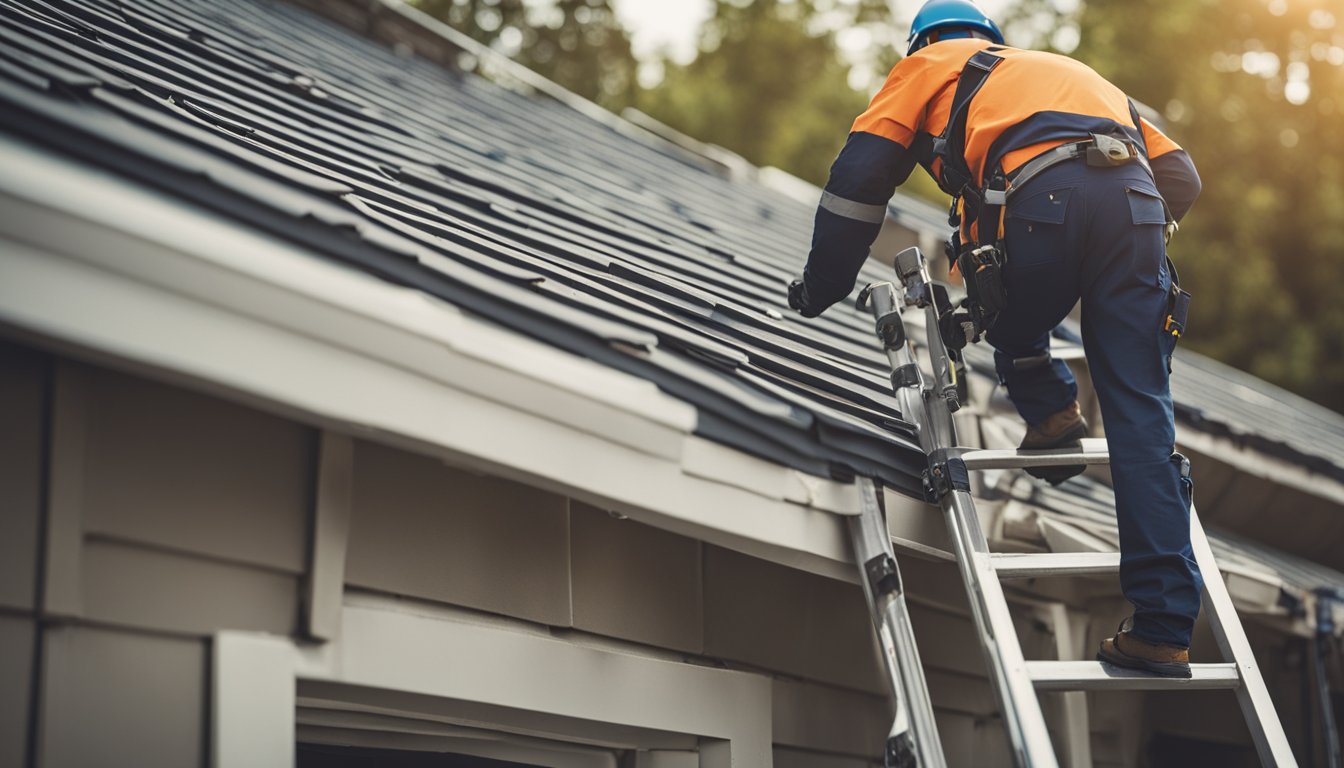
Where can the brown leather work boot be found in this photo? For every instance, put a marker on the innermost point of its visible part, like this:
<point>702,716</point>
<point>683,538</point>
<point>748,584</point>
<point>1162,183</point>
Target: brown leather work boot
<point>1125,650</point>
<point>1064,429</point>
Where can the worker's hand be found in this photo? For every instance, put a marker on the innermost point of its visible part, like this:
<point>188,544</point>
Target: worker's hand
<point>1170,231</point>
<point>798,299</point>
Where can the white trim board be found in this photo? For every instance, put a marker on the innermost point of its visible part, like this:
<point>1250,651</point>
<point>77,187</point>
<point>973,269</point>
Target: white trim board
<point>394,652</point>
<point>100,264</point>
<point>424,649</point>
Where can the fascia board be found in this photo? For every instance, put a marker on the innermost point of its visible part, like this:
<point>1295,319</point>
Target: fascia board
<point>719,463</point>
<point>188,295</point>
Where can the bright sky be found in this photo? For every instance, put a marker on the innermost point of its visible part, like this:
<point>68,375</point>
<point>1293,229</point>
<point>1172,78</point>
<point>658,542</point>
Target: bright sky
<point>658,24</point>
<point>672,24</point>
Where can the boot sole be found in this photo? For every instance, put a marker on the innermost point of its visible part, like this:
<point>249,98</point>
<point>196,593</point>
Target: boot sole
<point>1162,668</point>
<point>1056,475</point>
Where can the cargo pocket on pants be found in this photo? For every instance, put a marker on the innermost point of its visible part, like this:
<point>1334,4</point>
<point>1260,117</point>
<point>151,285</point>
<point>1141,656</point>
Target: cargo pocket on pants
<point>1034,229</point>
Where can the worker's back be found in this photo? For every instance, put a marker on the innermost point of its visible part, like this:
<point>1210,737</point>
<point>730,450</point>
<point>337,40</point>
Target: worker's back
<point>1033,101</point>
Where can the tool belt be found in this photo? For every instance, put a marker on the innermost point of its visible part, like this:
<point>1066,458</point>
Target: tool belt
<point>983,261</point>
<point>1100,151</point>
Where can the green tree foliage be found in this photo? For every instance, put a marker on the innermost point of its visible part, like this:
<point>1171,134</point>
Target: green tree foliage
<point>579,44</point>
<point>767,84</point>
<point>1254,90</point>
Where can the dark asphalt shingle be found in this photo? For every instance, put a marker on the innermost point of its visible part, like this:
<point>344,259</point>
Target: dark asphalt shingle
<point>513,207</point>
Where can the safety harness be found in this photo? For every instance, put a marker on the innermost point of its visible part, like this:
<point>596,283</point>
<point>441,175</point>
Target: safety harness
<point>982,261</point>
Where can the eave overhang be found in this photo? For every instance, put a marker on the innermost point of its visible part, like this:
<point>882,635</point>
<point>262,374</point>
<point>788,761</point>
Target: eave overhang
<point>98,267</point>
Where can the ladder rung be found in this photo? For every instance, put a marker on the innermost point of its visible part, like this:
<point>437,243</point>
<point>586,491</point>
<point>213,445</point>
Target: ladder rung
<point>1093,451</point>
<point>1096,676</point>
<point>1030,566</point>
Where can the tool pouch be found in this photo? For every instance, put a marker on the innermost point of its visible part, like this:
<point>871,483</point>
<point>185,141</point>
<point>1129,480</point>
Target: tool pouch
<point>1178,314</point>
<point>986,296</point>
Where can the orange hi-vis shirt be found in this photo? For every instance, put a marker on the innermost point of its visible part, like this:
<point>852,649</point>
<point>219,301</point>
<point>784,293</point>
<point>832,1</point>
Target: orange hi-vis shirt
<point>1068,100</point>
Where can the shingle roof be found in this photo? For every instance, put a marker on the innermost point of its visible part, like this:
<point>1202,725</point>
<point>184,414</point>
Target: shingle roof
<point>517,208</point>
<point>513,207</point>
<point>1220,400</point>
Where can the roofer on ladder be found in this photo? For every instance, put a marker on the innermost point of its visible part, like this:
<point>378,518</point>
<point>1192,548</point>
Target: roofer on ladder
<point>1061,191</point>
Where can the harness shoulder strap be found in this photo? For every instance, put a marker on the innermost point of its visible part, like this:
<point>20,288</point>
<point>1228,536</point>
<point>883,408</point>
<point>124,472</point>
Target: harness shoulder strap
<point>950,147</point>
<point>1138,125</point>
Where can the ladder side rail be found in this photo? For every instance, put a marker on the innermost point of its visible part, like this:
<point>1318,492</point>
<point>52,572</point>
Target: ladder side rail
<point>1009,674</point>
<point>937,413</point>
<point>1009,677</point>
<point>914,732</point>
<point>1256,705</point>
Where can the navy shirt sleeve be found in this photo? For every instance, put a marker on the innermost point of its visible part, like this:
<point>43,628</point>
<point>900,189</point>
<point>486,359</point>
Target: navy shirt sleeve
<point>1177,181</point>
<point>853,206</point>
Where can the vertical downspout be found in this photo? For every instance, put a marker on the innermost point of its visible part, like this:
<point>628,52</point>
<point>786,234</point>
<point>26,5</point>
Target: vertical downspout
<point>1323,644</point>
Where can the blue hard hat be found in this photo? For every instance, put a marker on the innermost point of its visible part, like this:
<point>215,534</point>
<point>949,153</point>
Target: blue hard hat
<point>950,14</point>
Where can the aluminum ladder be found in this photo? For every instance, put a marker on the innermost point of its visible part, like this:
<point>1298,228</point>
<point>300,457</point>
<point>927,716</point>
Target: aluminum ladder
<point>1016,680</point>
<point>913,741</point>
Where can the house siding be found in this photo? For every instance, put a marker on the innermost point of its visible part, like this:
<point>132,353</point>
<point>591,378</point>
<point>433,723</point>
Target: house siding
<point>166,591</point>
<point>635,582</point>
<point>767,615</point>
<point>171,468</point>
<point>16,681</point>
<point>22,397</point>
<point>117,698</point>
<point>424,529</point>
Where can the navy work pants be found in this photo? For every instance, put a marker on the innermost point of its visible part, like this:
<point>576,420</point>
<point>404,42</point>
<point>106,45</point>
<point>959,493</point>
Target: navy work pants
<point>1096,234</point>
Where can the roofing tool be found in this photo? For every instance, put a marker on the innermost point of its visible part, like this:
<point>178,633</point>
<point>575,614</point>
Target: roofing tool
<point>947,482</point>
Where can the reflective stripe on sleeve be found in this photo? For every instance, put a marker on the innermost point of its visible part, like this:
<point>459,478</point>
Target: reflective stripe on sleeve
<point>873,214</point>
